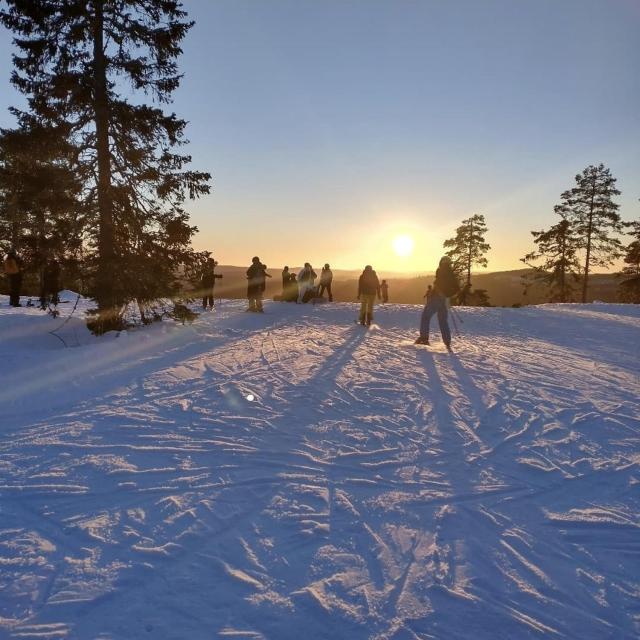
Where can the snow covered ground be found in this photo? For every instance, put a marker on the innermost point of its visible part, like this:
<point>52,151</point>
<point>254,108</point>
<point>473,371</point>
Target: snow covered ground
<point>292,475</point>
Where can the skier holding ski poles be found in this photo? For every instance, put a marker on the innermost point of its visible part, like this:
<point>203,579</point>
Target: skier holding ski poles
<point>445,286</point>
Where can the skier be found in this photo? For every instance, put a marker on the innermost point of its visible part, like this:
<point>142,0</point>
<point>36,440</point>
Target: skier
<point>384,287</point>
<point>445,286</point>
<point>50,284</point>
<point>306,278</point>
<point>326,278</point>
<point>368,287</point>
<point>13,270</point>
<point>256,276</point>
<point>208,281</point>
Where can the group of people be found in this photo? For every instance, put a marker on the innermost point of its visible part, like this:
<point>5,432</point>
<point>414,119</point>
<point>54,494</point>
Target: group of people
<point>299,288</point>
<point>13,266</point>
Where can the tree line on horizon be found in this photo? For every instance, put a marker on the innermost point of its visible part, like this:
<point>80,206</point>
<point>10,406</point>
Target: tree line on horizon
<point>96,179</point>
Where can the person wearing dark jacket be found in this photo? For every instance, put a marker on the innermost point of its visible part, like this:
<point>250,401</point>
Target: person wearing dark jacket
<point>286,276</point>
<point>368,288</point>
<point>256,277</point>
<point>209,277</point>
<point>445,286</point>
<point>13,270</point>
<point>291,292</point>
<point>326,278</point>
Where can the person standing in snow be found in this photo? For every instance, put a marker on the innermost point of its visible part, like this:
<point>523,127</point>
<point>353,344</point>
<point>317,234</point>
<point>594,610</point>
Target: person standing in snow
<point>208,281</point>
<point>306,279</point>
<point>445,286</point>
<point>291,292</point>
<point>256,276</point>
<point>368,288</point>
<point>326,278</point>
<point>384,288</point>
<point>286,276</point>
<point>13,270</point>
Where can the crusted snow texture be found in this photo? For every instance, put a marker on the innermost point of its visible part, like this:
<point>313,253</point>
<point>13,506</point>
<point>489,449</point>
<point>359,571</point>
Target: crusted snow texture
<point>292,475</point>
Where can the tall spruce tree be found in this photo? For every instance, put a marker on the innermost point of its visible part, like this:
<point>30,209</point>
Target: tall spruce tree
<point>74,60</point>
<point>40,209</point>
<point>630,286</point>
<point>559,270</point>
<point>467,249</point>
<point>593,215</point>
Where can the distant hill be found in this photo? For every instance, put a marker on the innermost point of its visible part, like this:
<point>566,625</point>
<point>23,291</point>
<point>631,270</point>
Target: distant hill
<point>505,288</point>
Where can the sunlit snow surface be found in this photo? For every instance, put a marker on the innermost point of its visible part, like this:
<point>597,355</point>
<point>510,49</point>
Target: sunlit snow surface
<point>293,475</point>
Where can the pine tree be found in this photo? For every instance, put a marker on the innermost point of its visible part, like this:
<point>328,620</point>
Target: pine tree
<point>630,287</point>
<point>560,269</point>
<point>467,249</point>
<point>74,61</point>
<point>590,209</point>
<point>40,211</point>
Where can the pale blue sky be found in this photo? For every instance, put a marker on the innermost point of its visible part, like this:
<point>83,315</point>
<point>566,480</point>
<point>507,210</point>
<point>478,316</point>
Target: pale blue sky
<point>331,126</point>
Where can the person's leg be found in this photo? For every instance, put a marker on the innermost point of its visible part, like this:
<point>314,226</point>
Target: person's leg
<point>321,291</point>
<point>302,289</point>
<point>330,292</point>
<point>363,309</point>
<point>259,304</point>
<point>370,302</point>
<point>443,321</point>
<point>425,320</point>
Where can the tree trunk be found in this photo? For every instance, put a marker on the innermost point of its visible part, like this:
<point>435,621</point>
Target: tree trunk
<point>106,237</point>
<point>470,252</point>
<point>563,294</point>
<point>585,282</point>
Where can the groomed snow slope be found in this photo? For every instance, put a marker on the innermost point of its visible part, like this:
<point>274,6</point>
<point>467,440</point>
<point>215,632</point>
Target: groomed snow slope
<point>371,489</point>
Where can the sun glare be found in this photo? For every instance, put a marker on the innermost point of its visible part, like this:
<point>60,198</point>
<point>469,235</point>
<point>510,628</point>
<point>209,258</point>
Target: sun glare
<point>403,246</point>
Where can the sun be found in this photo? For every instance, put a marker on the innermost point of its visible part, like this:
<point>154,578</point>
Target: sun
<point>403,246</point>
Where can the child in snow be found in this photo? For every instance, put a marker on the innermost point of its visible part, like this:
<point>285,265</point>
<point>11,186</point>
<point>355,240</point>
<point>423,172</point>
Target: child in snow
<point>256,276</point>
<point>368,288</point>
<point>445,286</point>
<point>384,288</point>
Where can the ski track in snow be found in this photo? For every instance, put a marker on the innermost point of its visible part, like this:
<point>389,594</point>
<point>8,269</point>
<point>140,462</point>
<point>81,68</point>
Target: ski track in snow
<point>371,489</point>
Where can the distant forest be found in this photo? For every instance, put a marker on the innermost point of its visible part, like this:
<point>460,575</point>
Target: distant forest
<point>504,288</point>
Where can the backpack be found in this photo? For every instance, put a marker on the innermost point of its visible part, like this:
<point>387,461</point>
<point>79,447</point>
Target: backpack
<point>448,283</point>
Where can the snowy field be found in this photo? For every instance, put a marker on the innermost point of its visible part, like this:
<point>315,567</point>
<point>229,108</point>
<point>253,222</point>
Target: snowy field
<point>292,475</point>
